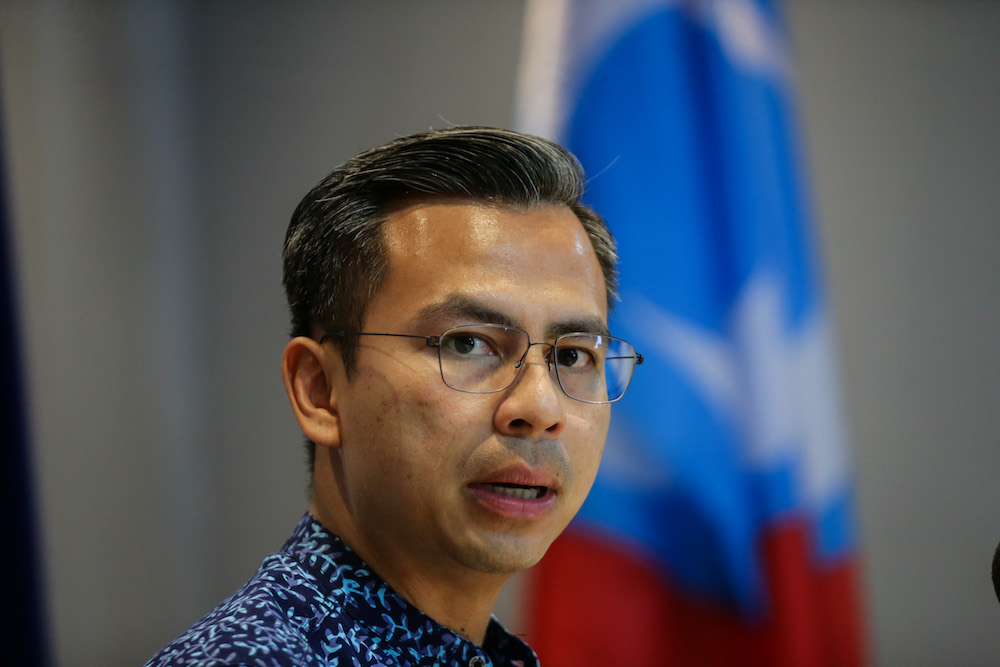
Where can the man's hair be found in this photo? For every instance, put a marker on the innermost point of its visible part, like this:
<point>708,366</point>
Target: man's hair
<point>334,257</point>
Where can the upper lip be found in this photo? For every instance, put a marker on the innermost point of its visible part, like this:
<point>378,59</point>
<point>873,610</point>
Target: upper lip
<point>520,475</point>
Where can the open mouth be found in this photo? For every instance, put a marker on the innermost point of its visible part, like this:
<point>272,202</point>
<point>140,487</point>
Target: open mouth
<point>518,491</point>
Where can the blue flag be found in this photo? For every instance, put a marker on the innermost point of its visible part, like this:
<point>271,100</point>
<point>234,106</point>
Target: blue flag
<point>682,115</point>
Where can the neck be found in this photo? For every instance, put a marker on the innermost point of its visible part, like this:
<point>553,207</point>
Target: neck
<point>461,600</point>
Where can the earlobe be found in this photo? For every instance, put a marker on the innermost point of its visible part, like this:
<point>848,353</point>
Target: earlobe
<point>306,367</point>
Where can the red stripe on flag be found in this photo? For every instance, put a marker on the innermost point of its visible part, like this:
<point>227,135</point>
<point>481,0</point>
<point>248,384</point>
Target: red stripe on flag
<point>593,603</point>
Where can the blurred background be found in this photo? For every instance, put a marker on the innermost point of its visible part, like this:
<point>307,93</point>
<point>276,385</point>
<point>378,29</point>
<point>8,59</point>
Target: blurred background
<point>155,151</point>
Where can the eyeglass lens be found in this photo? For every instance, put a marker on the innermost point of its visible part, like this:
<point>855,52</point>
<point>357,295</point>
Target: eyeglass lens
<point>484,358</point>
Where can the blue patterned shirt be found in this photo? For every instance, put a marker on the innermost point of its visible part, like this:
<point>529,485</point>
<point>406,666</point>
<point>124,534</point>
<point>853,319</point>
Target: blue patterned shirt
<point>317,604</point>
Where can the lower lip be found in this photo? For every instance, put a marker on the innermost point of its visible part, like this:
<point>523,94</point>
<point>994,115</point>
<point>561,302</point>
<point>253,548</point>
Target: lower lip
<point>513,508</point>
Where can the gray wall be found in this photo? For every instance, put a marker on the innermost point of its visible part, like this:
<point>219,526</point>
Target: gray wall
<point>902,104</point>
<point>158,148</point>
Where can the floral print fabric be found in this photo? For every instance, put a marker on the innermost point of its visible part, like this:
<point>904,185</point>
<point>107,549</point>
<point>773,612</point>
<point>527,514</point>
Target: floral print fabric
<point>317,604</point>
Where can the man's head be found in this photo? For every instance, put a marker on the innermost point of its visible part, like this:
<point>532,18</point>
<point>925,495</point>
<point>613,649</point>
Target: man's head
<point>438,455</point>
<point>334,257</point>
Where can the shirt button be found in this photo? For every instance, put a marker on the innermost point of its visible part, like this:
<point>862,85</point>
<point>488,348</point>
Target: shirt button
<point>477,662</point>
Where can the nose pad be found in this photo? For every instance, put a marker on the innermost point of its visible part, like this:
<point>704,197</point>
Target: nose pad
<point>547,356</point>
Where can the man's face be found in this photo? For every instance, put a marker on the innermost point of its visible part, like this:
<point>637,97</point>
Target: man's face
<point>428,470</point>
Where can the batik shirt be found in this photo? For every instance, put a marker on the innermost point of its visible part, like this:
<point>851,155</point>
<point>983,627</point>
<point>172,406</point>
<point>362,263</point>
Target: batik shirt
<point>317,604</point>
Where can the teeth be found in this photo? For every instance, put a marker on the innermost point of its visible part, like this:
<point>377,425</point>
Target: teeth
<point>520,492</point>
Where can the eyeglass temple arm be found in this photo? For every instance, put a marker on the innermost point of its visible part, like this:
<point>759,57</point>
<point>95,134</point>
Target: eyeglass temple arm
<point>432,341</point>
<point>638,358</point>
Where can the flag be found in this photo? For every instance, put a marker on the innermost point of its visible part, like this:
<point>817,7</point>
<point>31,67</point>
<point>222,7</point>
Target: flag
<point>719,530</point>
<point>23,628</point>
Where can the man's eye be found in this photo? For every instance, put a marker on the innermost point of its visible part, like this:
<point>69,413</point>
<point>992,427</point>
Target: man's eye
<point>574,358</point>
<point>467,345</point>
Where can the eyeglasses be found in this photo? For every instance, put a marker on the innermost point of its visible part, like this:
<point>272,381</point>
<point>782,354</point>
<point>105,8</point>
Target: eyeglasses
<point>486,358</point>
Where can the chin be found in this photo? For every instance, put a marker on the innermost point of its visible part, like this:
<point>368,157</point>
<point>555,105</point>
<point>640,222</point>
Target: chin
<point>507,554</point>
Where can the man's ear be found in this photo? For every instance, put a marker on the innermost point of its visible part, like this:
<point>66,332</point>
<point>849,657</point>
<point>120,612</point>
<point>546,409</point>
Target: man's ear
<point>306,368</point>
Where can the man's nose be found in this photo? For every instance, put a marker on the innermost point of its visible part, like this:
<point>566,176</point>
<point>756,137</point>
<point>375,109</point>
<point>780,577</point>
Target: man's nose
<point>534,404</point>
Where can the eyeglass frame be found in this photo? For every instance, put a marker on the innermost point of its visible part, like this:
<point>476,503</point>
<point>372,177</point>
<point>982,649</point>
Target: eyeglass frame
<point>435,341</point>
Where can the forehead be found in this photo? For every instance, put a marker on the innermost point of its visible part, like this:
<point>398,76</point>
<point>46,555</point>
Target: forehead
<point>514,259</point>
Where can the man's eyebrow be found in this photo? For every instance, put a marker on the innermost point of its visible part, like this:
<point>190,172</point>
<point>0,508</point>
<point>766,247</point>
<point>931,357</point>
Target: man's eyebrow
<point>461,307</point>
<point>591,325</point>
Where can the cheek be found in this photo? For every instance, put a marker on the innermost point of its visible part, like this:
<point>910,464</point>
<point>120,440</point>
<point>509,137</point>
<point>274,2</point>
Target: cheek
<point>591,431</point>
<point>438,411</point>
<point>429,416</point>
<point>437,431</point>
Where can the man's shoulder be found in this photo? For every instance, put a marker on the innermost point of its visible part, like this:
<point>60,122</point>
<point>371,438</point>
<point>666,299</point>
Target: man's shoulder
<point>257,625</point>
<point>317,604</point>
<point>280,617</point>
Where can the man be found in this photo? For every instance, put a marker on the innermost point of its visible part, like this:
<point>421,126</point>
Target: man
<point>452,370</point>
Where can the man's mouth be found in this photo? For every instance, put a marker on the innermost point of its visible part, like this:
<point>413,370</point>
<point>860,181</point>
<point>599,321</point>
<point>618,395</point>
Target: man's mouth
<point>518,491</point>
